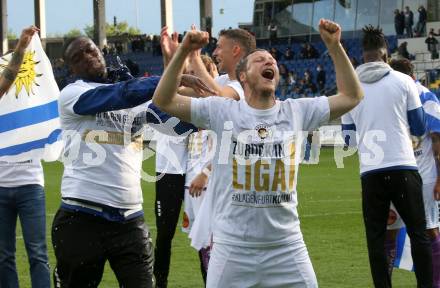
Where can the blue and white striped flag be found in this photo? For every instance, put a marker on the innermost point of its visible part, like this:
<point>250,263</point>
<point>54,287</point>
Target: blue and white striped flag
<point>403,254</point>
<point>29,120</point>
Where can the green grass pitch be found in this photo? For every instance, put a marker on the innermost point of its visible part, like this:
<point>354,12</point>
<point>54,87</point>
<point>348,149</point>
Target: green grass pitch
<point>331,221</point>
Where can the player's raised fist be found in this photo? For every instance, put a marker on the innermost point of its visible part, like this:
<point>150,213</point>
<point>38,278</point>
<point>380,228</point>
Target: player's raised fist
<point>330,32</point>
<point>194,40</point>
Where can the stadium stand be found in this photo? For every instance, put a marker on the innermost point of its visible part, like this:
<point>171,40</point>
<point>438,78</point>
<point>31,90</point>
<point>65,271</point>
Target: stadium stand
<point>151,64</point>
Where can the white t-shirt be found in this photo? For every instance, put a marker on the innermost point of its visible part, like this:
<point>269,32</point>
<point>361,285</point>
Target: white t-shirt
<point>381,121</point>
<point>254,175</point>
<point>171,154</point>
<point>224,80</point>
<point>423,145</point>
<point>101,168</point>
<point>201,230</point>
<point>15,174</point>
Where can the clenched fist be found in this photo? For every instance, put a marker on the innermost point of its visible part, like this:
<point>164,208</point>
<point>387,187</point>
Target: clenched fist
<point>195,40</point>
<point>330,33</point>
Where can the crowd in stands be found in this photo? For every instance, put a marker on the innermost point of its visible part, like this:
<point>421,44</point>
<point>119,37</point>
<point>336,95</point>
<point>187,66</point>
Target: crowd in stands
<point>404,22</point>
<point>293,85</point>
<point>305,68</point>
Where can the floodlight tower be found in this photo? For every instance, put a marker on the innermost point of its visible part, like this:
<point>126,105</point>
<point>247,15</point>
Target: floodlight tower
<point>40,17</point>
<point>166,14</point>
<point>99,34</point>
<point>206,15</point>
<point>4,26</point>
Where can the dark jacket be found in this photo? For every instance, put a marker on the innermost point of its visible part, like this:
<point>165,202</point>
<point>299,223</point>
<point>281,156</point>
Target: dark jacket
<point>422,15</point>
<point>409,18</point>
<point>432,43</point>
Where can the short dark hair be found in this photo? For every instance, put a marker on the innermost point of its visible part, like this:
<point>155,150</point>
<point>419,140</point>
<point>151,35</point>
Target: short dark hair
<point>403,65</point>
<point>242,64</point>
<point>245,39</point>
<point>67,47</point>
<point>373,38</point>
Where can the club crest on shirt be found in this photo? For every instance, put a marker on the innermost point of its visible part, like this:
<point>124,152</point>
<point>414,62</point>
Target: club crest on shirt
<point>263,131</point>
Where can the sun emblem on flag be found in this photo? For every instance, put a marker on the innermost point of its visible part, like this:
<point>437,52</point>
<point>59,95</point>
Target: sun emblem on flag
<point>26,74</point>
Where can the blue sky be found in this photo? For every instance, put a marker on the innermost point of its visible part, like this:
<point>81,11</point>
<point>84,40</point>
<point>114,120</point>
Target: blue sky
<point>64,15</point>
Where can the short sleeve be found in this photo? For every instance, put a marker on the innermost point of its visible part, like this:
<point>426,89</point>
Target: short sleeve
<point>200,112</point>
<point>314,112</point>
<point>237,87</point>
<point>413,96</point>
<point>68,98</point>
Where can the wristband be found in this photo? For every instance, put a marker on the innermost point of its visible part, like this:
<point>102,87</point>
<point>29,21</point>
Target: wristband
<point>206,172</point>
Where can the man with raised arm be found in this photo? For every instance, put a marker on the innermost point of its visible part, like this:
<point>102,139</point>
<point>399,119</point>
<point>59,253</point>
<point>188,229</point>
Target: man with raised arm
<point>101,217</point>
<point>232,46</point>
<point>256,234</point>
<point>10,72</point>
<point>22,196</point>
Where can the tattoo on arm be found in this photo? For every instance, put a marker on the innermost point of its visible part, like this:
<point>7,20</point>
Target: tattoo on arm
<point>17,58</point>
<point>9,75</point>
<point>10,72</point>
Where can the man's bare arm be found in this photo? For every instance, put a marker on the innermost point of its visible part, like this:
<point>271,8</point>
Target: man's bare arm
<point>166,97</point>
<point>9,74</point>
<point>169,44</point>
<point>349,88</point>
<point>186,91</point>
